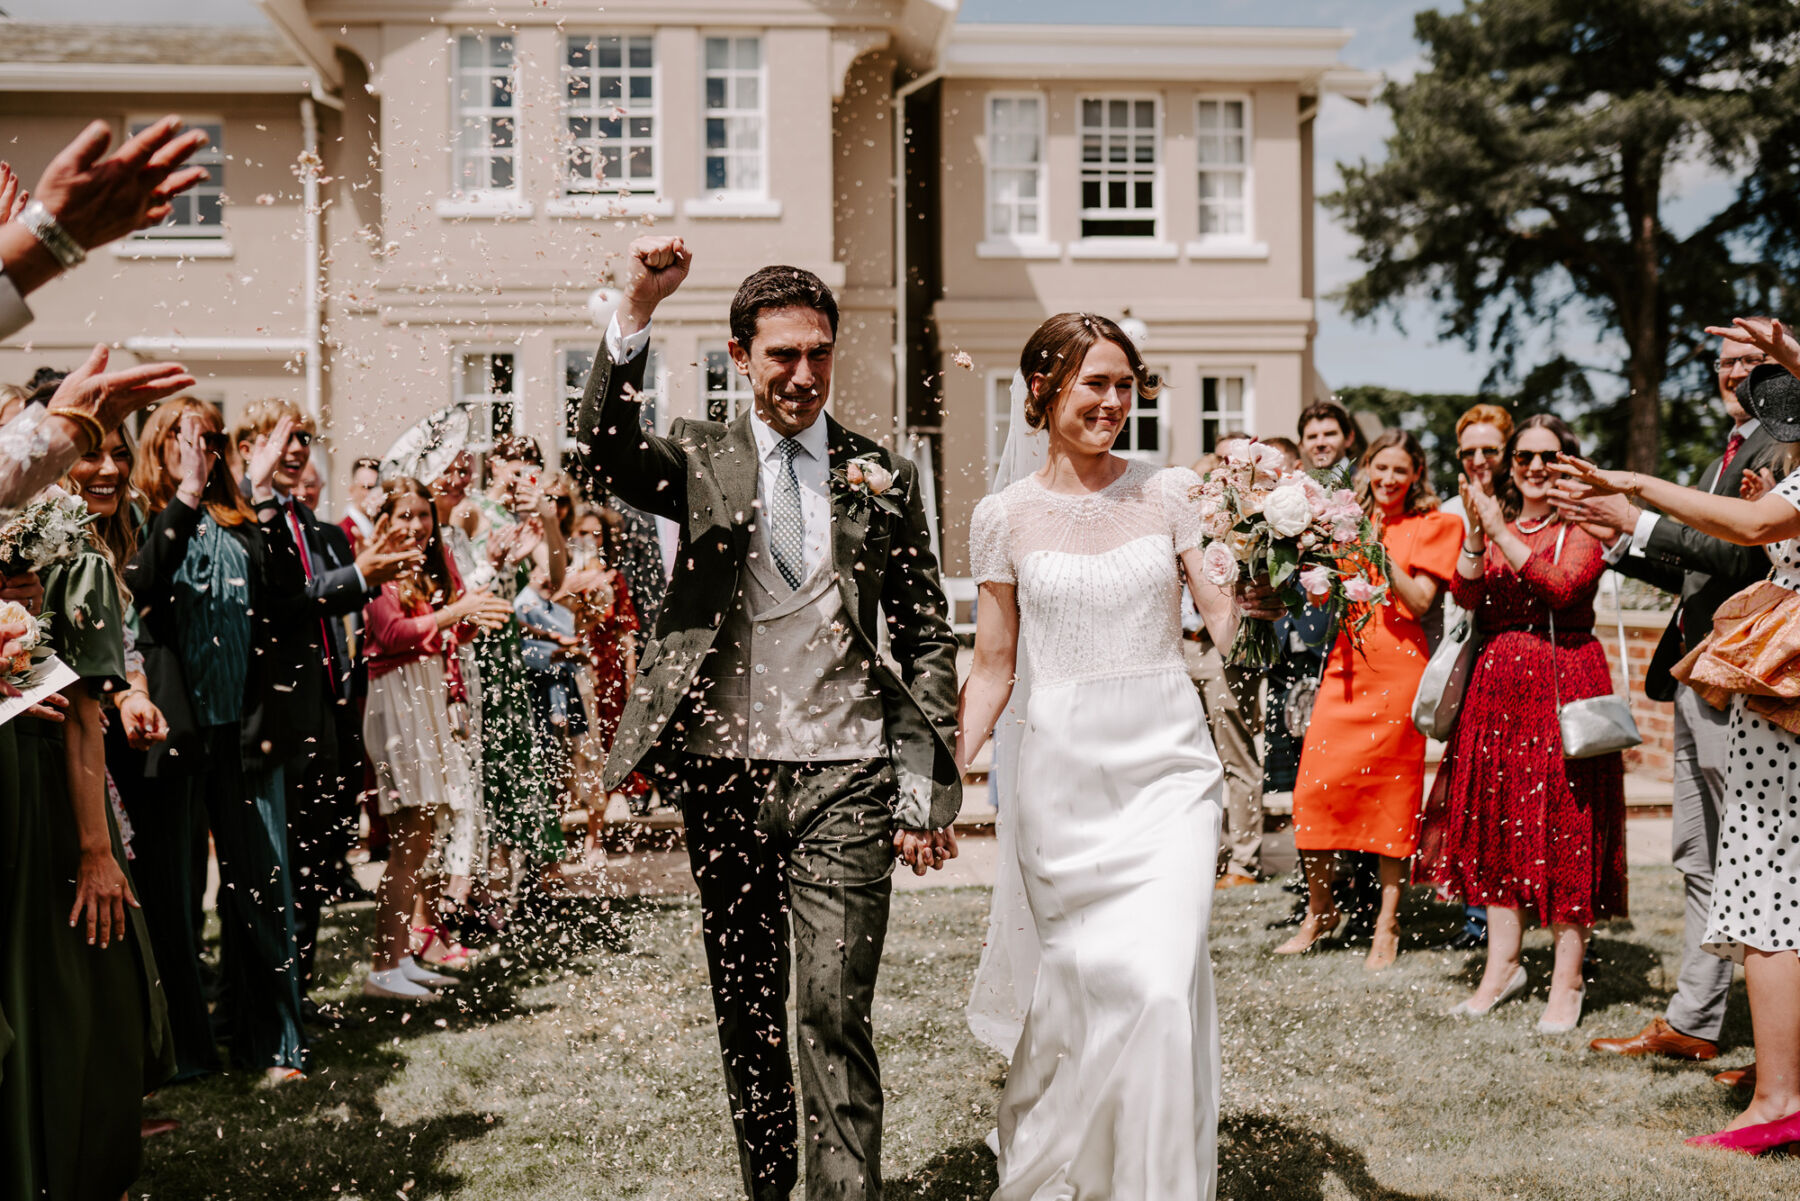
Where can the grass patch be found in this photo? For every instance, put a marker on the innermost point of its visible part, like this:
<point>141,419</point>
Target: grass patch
<point>585,1066</point>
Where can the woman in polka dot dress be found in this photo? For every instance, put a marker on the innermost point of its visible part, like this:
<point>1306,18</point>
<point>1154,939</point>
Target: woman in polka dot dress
<point>1751,663</point>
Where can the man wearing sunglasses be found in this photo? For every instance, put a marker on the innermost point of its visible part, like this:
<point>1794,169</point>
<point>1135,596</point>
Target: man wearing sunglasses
<point>1705,571</point>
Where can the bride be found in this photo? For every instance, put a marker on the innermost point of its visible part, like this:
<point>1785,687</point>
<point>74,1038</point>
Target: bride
<point>1114,834</point>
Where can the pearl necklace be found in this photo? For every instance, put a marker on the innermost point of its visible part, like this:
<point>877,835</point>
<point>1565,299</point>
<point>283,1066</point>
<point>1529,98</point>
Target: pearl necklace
<point>1543,523</point>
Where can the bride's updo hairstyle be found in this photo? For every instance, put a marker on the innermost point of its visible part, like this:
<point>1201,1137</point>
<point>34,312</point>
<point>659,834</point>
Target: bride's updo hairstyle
<point>1058,348</point>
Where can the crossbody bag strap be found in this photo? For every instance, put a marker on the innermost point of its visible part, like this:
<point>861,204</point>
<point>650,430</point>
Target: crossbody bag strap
<point>1555,674</point>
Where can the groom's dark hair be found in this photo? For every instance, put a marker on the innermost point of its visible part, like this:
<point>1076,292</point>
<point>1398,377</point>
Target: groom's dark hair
<point>779,288</point>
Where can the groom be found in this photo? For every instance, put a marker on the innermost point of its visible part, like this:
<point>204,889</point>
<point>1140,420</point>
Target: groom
<point>806,762</point>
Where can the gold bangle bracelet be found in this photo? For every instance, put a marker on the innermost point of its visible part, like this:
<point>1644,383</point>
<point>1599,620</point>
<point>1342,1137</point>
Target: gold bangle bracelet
<point>86,422</point>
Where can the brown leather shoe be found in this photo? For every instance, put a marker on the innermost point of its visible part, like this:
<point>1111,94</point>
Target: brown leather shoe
<point>1659,1038</point>
<point>1235,880</point>
<point>1738,1078</point>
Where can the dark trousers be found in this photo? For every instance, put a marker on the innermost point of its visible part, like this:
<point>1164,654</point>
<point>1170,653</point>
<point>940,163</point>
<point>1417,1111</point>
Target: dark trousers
<point>247,806</point>
<point>321,806</point>
<point>166,814</point>
<point>811,843</point>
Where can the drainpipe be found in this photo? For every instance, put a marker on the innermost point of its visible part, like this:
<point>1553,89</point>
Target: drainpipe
<point>313,287</point>
<point>901,355</point>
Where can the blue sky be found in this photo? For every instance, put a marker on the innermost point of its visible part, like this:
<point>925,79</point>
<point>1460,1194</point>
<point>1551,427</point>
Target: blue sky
<point>1377,353</point>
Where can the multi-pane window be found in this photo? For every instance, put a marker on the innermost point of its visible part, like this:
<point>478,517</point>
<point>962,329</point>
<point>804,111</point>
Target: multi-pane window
<point>485,381</point>
<point>727,389</point>
<point>1142,435</point>
<point>1118,167</point>
<point>1222,142</point>
<point>609,99</point>
<point>1015,139</point>
<point>574,364</point>
<point>484,98</point>
<point>999,417</point>
<point>1224,408</point>
<point>200,211</point>
<point>735,120</point>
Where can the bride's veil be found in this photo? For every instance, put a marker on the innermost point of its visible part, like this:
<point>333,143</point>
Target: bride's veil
<point>1009,960</point>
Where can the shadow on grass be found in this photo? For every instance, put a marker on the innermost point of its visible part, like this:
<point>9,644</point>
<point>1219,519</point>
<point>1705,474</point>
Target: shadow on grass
<point>330,1136</point>
<point>1263,1156</point>
<point>965,1173</point>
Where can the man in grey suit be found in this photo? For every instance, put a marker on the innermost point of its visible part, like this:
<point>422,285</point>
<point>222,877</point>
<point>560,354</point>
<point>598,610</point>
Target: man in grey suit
<point>1705,571</point>
<point>805,761</point>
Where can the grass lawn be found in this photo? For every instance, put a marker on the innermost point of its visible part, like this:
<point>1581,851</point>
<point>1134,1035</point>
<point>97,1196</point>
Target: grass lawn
<point>585,1067</point>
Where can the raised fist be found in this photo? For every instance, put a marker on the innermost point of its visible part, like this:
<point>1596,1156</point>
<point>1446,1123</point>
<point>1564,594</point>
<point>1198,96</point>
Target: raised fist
<point>657,266</point>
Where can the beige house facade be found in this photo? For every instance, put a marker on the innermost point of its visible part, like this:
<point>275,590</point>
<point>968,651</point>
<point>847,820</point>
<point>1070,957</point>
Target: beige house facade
<point>422,202</point>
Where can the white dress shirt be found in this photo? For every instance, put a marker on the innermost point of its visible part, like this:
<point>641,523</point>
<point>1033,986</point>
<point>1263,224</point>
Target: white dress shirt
<point>14,315</point>
<point>812,466</point>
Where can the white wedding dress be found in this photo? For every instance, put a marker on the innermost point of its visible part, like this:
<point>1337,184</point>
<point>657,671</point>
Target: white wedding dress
<point>1114,1086</point>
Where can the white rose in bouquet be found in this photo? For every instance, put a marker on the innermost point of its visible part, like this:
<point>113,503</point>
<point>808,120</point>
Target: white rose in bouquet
<point>1270,463</point>
<point>1218,566</point>
<point>1288,511</point>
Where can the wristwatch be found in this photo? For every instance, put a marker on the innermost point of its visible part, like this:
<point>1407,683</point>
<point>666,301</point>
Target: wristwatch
<point>57,240</point>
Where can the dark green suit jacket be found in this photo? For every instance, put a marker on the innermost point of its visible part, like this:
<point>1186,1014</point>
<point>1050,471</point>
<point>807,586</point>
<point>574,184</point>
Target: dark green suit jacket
<point>703,475</point>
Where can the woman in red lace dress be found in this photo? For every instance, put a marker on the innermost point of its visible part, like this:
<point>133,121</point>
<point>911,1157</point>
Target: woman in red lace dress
<point>1514,825</point>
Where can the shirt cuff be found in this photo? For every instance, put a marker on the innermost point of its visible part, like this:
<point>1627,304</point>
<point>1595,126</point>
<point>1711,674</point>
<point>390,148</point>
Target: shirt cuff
<point>1640,537</point>
<point>15,315</point>
<point>360,582</point>
<point>622,349</point>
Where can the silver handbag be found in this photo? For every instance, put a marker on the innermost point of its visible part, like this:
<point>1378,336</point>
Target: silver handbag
<point>1446,679</point>
<point>1598,725</point>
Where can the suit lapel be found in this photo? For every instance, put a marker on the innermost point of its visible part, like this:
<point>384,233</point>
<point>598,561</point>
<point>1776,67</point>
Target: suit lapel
<point>735,469</point>
<point>849,521</point>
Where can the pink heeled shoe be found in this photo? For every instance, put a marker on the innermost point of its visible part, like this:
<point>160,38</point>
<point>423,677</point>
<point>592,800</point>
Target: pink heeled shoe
<point>1753,1140</point>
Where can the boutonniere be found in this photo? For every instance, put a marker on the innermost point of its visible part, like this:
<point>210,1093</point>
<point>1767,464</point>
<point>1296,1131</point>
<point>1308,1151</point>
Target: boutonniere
<point>865,479</point>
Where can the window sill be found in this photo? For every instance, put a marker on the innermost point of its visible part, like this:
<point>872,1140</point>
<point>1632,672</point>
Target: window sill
<point>1205,249</point>
<point>1007,248</point>
<point>1123,248</point>
<point>731,206</point>
<point>484,207</point>
<point>599,207</point>
<point>173,248</point>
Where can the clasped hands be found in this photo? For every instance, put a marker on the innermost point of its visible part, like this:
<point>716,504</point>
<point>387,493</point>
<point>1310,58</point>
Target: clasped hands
<point>925,850</point>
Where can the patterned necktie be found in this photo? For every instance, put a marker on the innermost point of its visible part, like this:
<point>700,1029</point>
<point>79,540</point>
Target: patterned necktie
<point>787,528</point>
<point>1731,448</point>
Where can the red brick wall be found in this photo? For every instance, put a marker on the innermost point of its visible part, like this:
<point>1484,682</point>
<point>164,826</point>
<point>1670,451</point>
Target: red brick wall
<point>1655,721</point>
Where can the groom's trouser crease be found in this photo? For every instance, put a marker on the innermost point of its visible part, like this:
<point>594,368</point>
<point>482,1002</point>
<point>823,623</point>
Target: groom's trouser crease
<point>812,842</point>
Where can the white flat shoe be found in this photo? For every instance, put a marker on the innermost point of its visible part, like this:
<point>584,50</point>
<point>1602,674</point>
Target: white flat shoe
<point>1513,988</point>
<point>393,983</point>
<point>411,968</point>
<point>1545,1027</point>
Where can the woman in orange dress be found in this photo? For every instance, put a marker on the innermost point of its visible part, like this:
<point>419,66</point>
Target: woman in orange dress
<point>1362,769</point>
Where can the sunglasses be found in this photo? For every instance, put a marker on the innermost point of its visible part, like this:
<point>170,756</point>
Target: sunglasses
<point>302,437</point>
<point>1526,458</point>
<point>1490,453</point>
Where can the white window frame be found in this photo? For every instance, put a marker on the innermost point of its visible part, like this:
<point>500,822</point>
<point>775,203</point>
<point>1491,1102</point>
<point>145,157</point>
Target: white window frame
<point>1246,420</point>
<point>487,201</point>
<point>651,395</point>
<point>1227,245</point>
<point>597,110</point>
<point>515,398</point>
<point>996,417</point>
<point>727,197</point>
<point>738,393</point>
<point>193,240</point>
<point>1159,184</point>
<point>1159,408</point>
<point>1009,243</point>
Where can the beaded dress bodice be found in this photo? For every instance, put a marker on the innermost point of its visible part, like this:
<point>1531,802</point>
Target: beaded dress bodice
<point>1097,578</point>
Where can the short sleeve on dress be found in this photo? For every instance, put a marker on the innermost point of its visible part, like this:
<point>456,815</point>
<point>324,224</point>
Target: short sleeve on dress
<point>1439,542</point>
<point>990,543</point>
<point>1178,486</point>
<point>1789,488</point>
<point>87,619</point>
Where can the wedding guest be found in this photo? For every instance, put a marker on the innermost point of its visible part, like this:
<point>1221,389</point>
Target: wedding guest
<point>1328,439</point>
<point>1481,434</point>
<point>363,496</point>
<point>310,487</point>
<point>78,982</point>
<point>1232,699</point>
<point>423,770</point>
<point>1290,450</point>
<point>1516,825</point>
<point>1748,665</point>
<point>610,626</point>
<point>1362,772</point>
<point>1704,571</point>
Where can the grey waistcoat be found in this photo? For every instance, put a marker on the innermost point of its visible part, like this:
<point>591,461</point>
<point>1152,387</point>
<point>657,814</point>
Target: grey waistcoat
<point>785,680</point>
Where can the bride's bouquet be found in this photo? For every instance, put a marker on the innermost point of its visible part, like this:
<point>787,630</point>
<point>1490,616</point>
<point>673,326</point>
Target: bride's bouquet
<point>53,527</point>
<point>1313,542</point>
